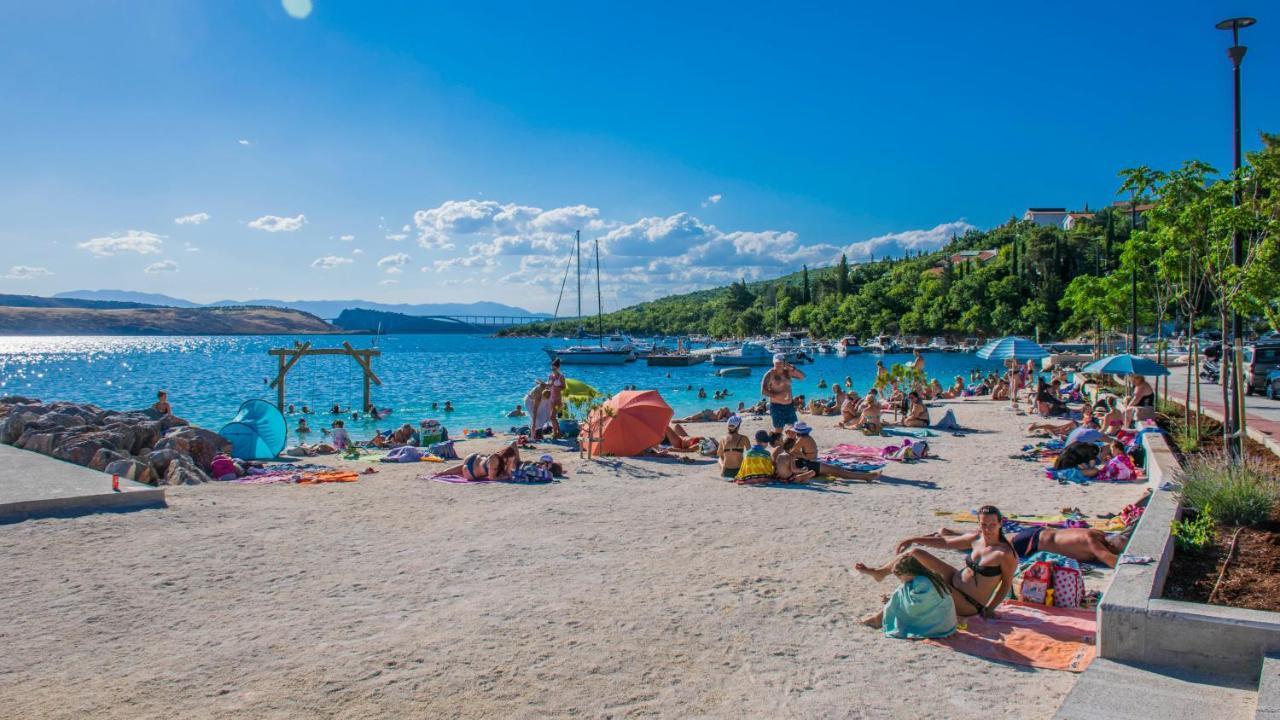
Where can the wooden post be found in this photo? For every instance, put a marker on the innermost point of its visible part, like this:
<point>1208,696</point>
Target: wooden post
<point>365,372</point>
<point>280,385</point>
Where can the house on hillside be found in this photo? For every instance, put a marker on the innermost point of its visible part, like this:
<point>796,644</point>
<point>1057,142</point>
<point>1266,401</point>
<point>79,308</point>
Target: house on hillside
<point>1046,216</point>
<point>982,257</point>
<point>1075,217</point>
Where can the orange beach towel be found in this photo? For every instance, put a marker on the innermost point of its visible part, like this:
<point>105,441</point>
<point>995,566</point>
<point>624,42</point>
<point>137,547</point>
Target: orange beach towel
<point>328,476</point>
<point>1030,634</point>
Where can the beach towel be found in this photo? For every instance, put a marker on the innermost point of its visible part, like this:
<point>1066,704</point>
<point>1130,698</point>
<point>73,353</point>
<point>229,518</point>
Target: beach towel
<point>852,452</point>
<point>328,476</point>
<point>916,610</point>
<point>1029,635</point>
<point>405,454</point>
<point>908,432</point>
<point>947,421</point>
<point>852,464</point>
<point>453,479</point>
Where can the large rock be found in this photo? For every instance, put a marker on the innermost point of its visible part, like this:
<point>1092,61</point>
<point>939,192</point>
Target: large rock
<point>80,449</point>
<point>160,459</point>
<point>105,457</point>
<point>182,471</point>
<point>15,424</point>
<point>202,445</point>
<point>133,470</point>
<point>41,442</point>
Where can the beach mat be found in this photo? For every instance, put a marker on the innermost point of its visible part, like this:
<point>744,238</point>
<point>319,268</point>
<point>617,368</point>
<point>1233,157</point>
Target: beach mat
<point>453,480</point>
<point>908,432</point>
<point>1029,635</point>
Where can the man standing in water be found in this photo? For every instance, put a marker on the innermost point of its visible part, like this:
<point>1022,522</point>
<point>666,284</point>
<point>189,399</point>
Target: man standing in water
<point>776,386</point>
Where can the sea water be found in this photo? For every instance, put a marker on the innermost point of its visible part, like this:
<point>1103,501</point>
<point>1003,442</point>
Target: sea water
<point>483,377</point>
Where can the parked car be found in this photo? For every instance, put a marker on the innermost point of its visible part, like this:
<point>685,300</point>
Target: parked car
<point>1260,361</point>
<point>1273,385</point>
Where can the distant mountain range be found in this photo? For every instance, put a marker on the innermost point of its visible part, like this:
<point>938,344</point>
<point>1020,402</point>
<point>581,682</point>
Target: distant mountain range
<point>328,309</point>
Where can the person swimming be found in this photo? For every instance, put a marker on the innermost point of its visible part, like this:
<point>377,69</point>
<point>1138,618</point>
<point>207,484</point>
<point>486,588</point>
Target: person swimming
<point>162,403</point>
<point>517,411</point>
<point>448,406</point>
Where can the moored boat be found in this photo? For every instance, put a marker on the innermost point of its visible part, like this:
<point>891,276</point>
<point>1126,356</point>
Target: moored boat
<point>751,354</point>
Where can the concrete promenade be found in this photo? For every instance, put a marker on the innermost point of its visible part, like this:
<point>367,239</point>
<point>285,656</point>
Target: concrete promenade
<point>34,485</point>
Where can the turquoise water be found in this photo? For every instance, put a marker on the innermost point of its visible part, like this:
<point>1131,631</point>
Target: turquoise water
<point>208,377</point>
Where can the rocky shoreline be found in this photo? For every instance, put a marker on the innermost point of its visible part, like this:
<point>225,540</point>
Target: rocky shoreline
<point>141,445</point>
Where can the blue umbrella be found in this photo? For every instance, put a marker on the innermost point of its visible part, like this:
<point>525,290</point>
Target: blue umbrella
<point>1017,348</point>
<point>1125,365</point>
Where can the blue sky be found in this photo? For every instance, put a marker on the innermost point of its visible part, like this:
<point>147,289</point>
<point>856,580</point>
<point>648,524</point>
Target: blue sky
<point>418,152</point>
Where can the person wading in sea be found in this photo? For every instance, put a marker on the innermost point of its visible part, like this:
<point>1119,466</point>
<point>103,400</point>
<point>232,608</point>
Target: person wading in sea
<point>776,386</point>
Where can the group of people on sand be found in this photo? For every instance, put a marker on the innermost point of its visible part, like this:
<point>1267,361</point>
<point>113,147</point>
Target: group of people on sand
<point>934,592</point>
<point>505,465</point>
<point>789,455</point>
<point>544,404</point>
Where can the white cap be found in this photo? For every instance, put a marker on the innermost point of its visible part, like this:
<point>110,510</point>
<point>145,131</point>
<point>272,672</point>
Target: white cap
<point>779,357</point>
<point>546,459</point>
<point>734,421</point>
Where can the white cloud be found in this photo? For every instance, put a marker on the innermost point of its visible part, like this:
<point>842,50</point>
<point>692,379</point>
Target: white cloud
<point>712,200</point>
<point>397,237</point>
<point>139,241</point>
<point>394,271</point>
<point>393,263</point>
<point>276,223</point>
<point>357,251</point>
<point>454,218</point>
<point>26,272</point>
<point>347,238</point>
<point>895,244</point>
<point>330,262</point>
<point>192,219</point>
<point>243,142</point>
<point>164,266</point>
<point>389,281</point>
<point>405,228</point>
<point>189,247</point>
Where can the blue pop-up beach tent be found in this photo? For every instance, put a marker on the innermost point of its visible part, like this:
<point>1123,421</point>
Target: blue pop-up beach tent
<point>258,431</point>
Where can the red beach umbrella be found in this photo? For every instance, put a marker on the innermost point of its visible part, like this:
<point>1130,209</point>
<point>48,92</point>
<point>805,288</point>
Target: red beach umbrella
<point>628,423</point>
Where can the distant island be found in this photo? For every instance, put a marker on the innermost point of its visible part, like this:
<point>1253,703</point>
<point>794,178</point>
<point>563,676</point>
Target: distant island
<point>327,309</point>
<point>62,320</point>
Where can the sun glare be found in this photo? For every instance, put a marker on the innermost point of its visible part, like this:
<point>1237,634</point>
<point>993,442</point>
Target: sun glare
<point>299,9</point>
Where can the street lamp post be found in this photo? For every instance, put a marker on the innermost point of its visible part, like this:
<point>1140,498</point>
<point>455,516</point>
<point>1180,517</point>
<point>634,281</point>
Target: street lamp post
<point>1133,277</point>
<point>1235,410</point>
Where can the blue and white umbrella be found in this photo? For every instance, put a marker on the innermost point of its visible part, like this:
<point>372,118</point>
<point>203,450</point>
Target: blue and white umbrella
<point>1012,347</point>
<point>1125,365</point>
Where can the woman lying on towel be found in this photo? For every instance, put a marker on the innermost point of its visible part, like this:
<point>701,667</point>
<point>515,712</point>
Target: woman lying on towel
<point>681,441</point>
<point>1083,544</point>
<point>921,607</point>
<point>707,416</point>
<point>987,575</point>
<point>498,466</point>
<point>1060,430</point>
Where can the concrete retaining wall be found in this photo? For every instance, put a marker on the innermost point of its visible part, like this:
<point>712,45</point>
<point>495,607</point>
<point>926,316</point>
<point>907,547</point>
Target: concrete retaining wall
<point>1136,625</point>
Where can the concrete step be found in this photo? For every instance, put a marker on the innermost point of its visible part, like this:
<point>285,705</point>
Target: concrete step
<point>1269,690</point>
<point>1109,690</point>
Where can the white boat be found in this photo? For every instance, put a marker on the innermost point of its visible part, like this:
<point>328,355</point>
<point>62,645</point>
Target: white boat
<point>611,349</point>
<point>734,372</point>
<point>848,346</point>
<point>791,345</point>
<point>750,354</point>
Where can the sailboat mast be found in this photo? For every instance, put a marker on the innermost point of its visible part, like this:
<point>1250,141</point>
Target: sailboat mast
<point>599,298</point>
<point>577,243</point>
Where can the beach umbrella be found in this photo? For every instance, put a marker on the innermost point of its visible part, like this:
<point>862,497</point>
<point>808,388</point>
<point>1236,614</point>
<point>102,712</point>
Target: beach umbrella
<point>1012,348</point>
<point>576,390</point>
<point>629,423</point>
<point>1125,365</point>
<point>258,431</point>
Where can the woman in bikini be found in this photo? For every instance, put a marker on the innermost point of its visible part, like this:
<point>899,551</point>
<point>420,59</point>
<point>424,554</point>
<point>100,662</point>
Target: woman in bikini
<point>987,576</point>
<point>1113,421</point>
<point>785,467</point>
<point>804,453</point>
<point>498,466</point>
<point>1143,397</point>
<point>731,448</point>
<point>680,440</point>
<point>917,413</point>
<point>1084,544</point>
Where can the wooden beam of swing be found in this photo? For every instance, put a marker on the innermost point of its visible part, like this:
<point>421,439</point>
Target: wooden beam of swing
<point>290,352</point>
<point>297,355</point>
<point>362,362</point>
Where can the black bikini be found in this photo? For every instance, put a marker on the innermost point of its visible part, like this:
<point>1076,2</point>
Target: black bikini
<point>983,570</point>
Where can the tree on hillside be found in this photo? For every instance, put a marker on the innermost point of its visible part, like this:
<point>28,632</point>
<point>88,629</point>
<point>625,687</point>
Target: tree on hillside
<point>805,296</point>
<point>842,277</point>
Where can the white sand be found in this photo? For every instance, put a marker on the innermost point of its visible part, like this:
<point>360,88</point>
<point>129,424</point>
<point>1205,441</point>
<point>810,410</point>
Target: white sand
<point>633,588</point>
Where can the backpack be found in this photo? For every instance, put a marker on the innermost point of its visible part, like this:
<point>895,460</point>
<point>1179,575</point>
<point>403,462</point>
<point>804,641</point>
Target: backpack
<point>1068,586</point>
<point>1037,583</point>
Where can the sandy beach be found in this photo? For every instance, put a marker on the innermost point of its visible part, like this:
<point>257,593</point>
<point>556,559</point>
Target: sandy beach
<point>635,587</point>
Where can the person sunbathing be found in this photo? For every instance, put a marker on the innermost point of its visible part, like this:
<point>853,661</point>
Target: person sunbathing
<point>1060,430</point>
<point>1112,421</point>
<point>1000,391</point>
<point>496,466</point>
<point>1089,545</point>
<point>805,454</point>
<point>785,467</point>
<point>868,419</point>
<point>679,440</point>
<point>920,608</point>
<point>934,390</point>
<point>917,414</point>
<point>957,389</point>
<point>987,576</point>
<point>731,448</point>
<point>707,415</point>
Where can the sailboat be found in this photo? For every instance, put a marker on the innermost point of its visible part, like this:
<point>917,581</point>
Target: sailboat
<point>618,349</point>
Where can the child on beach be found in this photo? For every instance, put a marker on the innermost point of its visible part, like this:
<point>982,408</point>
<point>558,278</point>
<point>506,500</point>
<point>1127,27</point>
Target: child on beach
<point>757,462</point>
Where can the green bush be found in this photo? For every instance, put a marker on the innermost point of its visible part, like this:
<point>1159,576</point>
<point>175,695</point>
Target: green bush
<point>1240,494</point>
<point>1186,438</point>
<point>1195,535</point>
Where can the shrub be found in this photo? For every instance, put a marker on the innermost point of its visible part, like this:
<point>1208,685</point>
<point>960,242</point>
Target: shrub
<point>1195,535</point>
<point>1186,438</point>
<point>1240,494</point>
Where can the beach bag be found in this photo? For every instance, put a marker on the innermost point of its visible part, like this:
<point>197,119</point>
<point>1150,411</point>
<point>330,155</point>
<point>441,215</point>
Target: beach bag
<point>1037,581</point>
<point>569,427</point>
<point>708,447</point>
<point>1068,586</point>
<point>531,473</point>
<point>444,450</point>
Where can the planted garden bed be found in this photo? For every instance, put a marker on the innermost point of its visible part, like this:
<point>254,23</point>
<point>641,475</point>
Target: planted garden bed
<point>1229,555</point>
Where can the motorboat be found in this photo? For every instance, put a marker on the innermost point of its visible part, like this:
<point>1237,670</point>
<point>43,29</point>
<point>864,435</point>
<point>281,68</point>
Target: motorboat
<point>674,359</point>
<point>750,354</point>
<point>848,345</point>
<point>733,372</point>
<point>790,345</point>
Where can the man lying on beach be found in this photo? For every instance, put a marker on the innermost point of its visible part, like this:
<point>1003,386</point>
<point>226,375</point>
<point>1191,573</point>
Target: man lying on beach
<point>1083,544</point>
<point>805,454</point>
<point>987,576</point>
<point>707,415</point>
